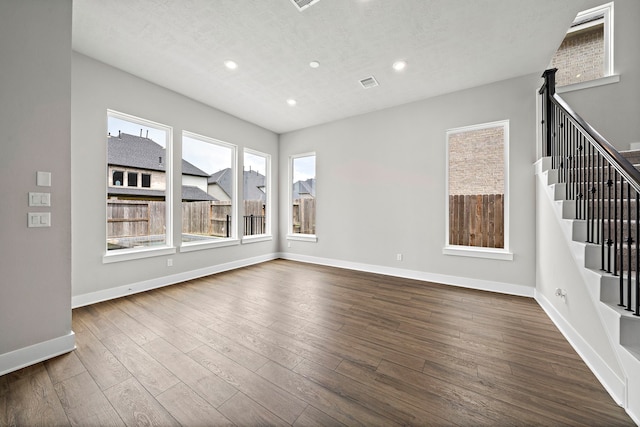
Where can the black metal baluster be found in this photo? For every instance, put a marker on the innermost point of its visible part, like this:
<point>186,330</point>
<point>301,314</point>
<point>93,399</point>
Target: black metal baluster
<point>629,246</point>
<point>587,201</point>
<point>563,153</point>
<point>615,225</point>
<point>637,312</point>
<point>580,179</point>
<point>619,248</point>
<point>597,186</point>
<point>609,220</point>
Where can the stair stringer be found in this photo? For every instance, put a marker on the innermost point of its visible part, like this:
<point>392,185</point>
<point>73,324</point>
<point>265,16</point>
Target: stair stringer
<point>622,330</point>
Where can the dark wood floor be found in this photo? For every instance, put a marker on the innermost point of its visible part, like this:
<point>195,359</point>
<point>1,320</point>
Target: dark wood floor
<point>283,343</point>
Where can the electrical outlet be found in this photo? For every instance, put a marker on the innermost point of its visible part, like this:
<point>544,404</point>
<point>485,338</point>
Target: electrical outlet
<point>398,257</point>
<point>170,262</point>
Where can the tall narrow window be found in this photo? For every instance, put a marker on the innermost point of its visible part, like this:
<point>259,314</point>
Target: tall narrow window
<point>303,197</point>
<point>256,221</point>
<point>137,218</point>
<point>586,53</point>
<point>476,187</point>
<point>208,190</point>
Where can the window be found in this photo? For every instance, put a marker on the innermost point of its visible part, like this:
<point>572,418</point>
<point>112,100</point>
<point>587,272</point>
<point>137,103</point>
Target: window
<point>132,179</point>
<point>477,196</point>
<point>118,178</point>
<point>137,218</point>
<point>146,180</point>
<point>586,53</point>
<point>208,191</point>
<point>256,187</point>
<point>302,215</point>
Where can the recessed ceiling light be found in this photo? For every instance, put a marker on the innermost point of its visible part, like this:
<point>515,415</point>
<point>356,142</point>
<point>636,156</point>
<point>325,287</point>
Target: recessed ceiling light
<point>399,65</point>
<point>314,64</point>
<point>292,102</point>
<point>230,64</point>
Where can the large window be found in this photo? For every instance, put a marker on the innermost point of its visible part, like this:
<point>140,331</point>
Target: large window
<point>302,206</point>
<point>138,216</point>
<point>477,196</point>
<point>256,192</point>
<point>586,53</point>
<point>208,190</point>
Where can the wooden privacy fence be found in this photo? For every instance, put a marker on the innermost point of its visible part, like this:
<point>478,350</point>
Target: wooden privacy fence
<point>132,218</point>
<point>304,216</point>
<point>128,218</point>
<point>477,220</point>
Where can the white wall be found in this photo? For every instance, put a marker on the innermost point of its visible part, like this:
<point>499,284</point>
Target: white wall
<point>556,267</point>
<point>97,87</point>
<point>381,185</point>
<point>613,110</point>
<point>35,117</point>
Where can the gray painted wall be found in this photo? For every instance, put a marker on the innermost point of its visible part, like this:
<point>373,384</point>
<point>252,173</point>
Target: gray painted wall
<point>614,110</point>
<point>381,183</point>
<point>35,117</point>
<point>97,87</point>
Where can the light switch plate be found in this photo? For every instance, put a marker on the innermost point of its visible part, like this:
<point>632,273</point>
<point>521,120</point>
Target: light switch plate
<point>39,199</point>
<point>39,219</point>
<point>43,179</point>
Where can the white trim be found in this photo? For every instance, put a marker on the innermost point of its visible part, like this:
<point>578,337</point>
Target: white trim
<point>256,238</point>
<point>477,252</point>
<point>145,285</point>
<point>27,356</point>
<point>602,81</point>
<point>267,177</point>
<point>606,11</point>
<point>452,249</point>
<point>290,195</point>
<point>303,237</point>
<point>463,282</point>
<point>612,383</point>
<point>131,254</point>
<point>168,192</point>
<point>208,244</point>
<point>234,174</point>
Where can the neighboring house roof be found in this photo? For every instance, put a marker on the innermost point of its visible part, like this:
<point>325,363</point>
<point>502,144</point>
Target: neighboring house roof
<point>143,153</point>
<point>223,179</point>
<point>189,193</point>
<point>305,188</point>
<point>253,181</point>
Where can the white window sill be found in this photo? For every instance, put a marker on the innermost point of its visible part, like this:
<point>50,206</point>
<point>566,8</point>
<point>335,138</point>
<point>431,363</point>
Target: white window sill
<point>256,238</point>
<point>212,244</point>
<point>474,252</point>
<point>589,84</point>
<point>303,237</point>
<point>119,255</point>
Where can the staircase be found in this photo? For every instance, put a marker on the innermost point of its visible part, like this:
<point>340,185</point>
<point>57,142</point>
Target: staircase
<point>594,191</point>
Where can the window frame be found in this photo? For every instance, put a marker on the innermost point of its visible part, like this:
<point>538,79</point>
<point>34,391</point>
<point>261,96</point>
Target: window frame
<point>233,239</point>
<point>290,234</point>
<point>609,76</point>
<point>476,251</point>
<point>150,251</point>
<point>267,178</point>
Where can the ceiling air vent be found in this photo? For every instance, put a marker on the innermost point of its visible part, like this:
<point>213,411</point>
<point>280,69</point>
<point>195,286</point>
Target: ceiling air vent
<point>369,82</point>
<point>303,4</point>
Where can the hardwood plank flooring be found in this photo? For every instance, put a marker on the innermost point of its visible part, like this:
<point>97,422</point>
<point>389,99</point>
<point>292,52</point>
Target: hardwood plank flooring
<point>285,343</point>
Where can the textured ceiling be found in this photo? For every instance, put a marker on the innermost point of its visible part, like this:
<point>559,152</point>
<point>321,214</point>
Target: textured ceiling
<point>448,45</point>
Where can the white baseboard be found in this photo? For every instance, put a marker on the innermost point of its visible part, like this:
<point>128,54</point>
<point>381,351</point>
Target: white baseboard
<point>36,353</point>
<point>614,385</point>
<point>464,282</point>
<point>146,285</point>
